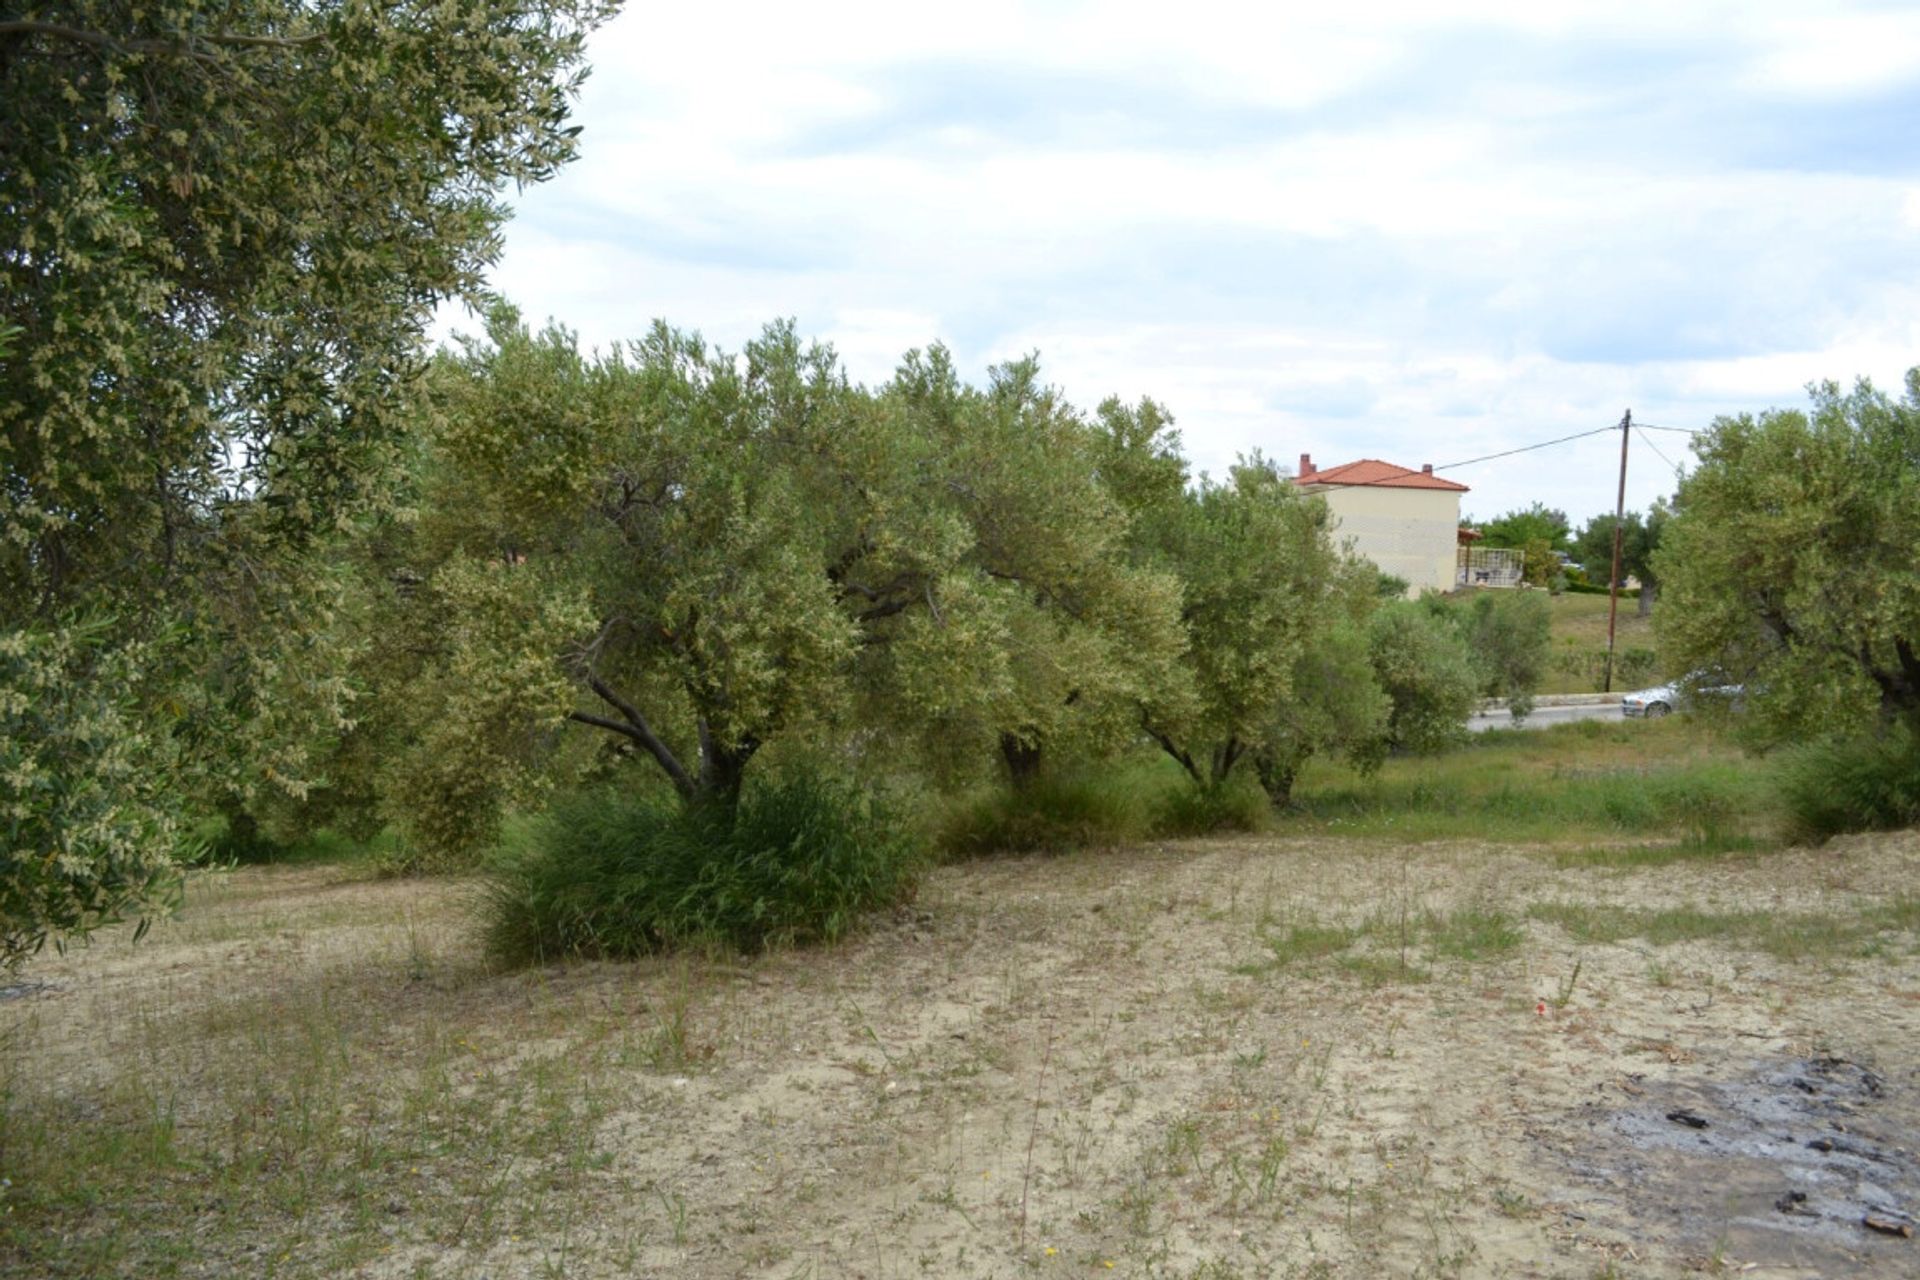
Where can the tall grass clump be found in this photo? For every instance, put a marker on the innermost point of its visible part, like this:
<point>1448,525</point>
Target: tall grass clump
<point>1051,814</point>
<point>1867,783</point>
<point>1236,804</point>
<point>615,875</point>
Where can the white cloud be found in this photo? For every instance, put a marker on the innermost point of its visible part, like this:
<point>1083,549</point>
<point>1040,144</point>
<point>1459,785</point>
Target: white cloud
<point>1387,229</point>
<point>1837,52</point>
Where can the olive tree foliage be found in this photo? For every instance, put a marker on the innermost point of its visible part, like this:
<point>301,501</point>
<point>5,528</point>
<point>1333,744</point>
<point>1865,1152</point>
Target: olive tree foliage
<point>1508,636</point>
<point>1068,634</point>
<point>1429,675</point>
<point>222,232</point>
<point>708,552</point>
<point>1258,570</point>
<point>1789,561</point>
<point>85,829</point>
<point>1336,706</point>
<point>630,548</point>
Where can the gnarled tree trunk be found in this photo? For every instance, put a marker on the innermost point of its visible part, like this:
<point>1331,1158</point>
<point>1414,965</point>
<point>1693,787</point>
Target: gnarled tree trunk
<point>1023,760</point>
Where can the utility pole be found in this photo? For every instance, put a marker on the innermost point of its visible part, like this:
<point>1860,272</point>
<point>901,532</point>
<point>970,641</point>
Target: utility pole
<point>1619,533</point>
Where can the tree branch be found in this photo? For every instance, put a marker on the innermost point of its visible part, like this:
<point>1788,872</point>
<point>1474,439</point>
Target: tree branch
<point>885,610</point>
<point>620,727</point>
<point>1166,745</point>
<point>639,730</point>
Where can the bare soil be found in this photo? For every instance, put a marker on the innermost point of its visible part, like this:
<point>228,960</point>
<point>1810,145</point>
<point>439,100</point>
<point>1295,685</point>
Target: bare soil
<point>1153,1061</point>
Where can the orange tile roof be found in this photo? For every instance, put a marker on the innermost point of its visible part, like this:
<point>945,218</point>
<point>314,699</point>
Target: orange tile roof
<point>1375,473</point>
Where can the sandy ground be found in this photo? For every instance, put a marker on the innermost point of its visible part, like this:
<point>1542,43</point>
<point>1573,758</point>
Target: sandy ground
<point>1099,1064</point>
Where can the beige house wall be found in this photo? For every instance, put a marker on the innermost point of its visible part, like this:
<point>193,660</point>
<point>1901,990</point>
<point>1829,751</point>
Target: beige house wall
<point>1409,533</point>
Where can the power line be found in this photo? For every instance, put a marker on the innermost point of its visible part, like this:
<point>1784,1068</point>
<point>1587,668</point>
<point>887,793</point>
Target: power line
<point>1528,448</point>
<point>1648,441</point>
<point>1597,431</point>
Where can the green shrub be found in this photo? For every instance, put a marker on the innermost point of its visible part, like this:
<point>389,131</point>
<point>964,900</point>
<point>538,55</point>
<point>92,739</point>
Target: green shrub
<point>1426,670</point>
<point>1868,783</point>
<point>1237,804</point>
<point>1051,814</point>
<point>613,875</point>
<point>1508,635</point>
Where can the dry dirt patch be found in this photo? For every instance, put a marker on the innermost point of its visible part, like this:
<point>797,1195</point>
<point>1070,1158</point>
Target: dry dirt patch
<point>1230,1058</point>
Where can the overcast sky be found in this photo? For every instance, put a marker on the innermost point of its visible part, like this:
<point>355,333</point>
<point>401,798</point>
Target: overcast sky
<point>1374,232</point>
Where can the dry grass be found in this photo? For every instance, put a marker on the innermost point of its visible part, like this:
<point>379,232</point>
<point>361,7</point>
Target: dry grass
<point>1232,1058</point>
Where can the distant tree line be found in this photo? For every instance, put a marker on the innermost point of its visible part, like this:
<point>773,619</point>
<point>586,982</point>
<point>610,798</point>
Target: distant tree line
<point>1557,554</point>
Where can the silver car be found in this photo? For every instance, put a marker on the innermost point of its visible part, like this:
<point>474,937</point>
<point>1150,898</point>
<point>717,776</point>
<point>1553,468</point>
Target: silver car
<point>1690,691</point>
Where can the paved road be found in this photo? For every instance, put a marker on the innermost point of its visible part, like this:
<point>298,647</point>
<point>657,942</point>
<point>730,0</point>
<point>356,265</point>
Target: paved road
<point>1544,716</point>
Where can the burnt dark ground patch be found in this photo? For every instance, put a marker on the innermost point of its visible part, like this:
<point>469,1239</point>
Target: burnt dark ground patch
<point>1812,1163</point>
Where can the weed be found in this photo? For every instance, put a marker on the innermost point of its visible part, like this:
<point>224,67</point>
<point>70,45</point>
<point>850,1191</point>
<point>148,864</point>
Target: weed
<point>1473,933</point>
<point>1563,997</point>
<point>1512,1204</point>
<point>674,1206</point>
<point>1309,942</point>
<point>1234,805</point>
<point>1867,783</point>
<point>1384,970</point>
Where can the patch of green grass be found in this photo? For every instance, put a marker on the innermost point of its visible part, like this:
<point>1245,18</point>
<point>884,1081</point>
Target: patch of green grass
<point>1662,854</point>
<point>1476,932</point>
<point>1310,942</point>
<point>1591,781</point>
<point>1578,624</point>
<point>1903,913</point>
<point>267,1138</point>
<point>1188,810</point>
<point>1098,807</point>
<point>224,847</point>
<point>1790,936</point>
<point>1384,969</point>
<point>1392,946</point>
<point>1598,922</point>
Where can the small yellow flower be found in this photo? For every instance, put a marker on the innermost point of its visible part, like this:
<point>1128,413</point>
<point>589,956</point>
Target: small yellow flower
<point>1108,1264</point>
<point>1051,1251</point>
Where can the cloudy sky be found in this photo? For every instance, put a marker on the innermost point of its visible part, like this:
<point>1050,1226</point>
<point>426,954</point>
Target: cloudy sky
<point>1372,232</point>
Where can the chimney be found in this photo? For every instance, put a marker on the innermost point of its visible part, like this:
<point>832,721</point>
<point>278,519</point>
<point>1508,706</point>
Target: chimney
<point>1426,468</point>
<point>1306,465</point>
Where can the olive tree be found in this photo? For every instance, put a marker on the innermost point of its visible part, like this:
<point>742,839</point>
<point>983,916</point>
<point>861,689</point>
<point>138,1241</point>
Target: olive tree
<point>1336,705</point>
<point>1257,568</point>
<point>223,231</point>
<point>1073,633</point>
<point>1428,674</point>
<point>1788,563</point>
<point>708,552</point>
